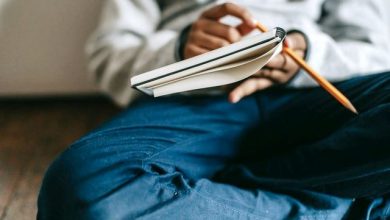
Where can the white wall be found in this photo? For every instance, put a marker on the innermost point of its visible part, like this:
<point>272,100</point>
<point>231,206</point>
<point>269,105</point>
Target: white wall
<point>42,46</point>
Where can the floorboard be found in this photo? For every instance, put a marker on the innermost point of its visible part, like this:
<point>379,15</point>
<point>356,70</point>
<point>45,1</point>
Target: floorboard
<point>32,133</point>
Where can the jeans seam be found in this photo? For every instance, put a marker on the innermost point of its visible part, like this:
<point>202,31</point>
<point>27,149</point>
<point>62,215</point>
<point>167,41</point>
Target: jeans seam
<point>92,134</point>
<point>218,134</point>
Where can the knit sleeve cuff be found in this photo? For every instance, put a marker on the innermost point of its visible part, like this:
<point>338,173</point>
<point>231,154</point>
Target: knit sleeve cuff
<point>305,56</point>
<point>180,43</point>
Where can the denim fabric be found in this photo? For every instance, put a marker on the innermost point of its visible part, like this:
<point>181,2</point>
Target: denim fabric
<point>278,154</point>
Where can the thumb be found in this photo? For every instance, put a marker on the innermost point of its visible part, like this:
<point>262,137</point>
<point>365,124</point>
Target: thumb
<point>295,41</point>
<point>244,29</point>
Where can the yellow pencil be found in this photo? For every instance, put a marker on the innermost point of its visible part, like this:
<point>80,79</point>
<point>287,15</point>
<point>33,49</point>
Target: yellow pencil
<point>317,77</point>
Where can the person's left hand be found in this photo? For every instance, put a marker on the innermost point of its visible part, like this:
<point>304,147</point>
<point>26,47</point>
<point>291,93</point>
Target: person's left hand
<point>278,71</point>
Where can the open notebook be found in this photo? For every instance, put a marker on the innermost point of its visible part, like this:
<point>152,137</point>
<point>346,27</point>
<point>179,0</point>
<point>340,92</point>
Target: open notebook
<point>219,67</point>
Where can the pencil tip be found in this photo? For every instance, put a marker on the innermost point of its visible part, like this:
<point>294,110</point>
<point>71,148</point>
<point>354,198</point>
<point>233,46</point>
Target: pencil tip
<point>347,104</point>
<point>353,109</point>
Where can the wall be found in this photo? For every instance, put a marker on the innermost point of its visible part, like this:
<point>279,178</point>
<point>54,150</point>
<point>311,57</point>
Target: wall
<point>42,46</point>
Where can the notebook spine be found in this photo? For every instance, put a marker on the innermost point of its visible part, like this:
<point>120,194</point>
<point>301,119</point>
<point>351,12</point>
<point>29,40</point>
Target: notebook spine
<point>280,32</point>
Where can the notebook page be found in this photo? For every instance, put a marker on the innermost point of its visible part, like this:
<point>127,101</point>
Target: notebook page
<point>218,78</point>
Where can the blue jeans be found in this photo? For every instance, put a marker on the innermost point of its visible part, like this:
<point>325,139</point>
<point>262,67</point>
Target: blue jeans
<point>278,154</point>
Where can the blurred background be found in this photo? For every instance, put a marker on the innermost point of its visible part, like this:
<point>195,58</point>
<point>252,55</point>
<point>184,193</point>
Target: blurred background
<point>42,46</point>
<point>46,98</point>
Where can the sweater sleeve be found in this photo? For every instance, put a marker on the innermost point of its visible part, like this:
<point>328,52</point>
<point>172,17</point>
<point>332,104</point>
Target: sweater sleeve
<point>352,39</point>
<point>126,43</point>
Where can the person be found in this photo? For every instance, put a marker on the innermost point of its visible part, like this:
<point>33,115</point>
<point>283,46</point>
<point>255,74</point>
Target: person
<point>274,146</point>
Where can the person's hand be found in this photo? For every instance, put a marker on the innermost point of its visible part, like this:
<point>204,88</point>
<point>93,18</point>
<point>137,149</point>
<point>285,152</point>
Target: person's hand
<point>207,33</point>
<point>278,71</point>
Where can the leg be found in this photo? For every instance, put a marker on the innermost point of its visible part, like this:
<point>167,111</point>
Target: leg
<point>153,161</point>
<point>145,157</point>
<point>310,142</point>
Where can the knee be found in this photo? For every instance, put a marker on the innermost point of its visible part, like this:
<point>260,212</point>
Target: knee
<point>75,181</point>
<point>59,195</point>
<point>83,183</point>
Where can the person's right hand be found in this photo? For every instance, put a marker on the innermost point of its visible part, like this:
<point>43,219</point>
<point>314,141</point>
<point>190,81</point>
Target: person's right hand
<point>207,33</point>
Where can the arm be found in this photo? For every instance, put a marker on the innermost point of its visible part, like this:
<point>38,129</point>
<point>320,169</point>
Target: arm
<point>127,42</point>
<point>353,38</point>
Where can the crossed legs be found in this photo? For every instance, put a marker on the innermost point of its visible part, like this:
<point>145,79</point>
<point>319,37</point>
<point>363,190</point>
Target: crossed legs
<point>203,158</point>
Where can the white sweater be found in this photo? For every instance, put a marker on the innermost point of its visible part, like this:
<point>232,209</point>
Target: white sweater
<point>347,38</point>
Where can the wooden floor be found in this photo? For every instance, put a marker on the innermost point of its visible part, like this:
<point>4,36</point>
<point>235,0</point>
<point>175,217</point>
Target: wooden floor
<point>32,133</point>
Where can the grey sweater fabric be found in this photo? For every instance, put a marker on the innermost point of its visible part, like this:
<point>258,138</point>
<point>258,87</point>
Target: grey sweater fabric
<point>347,37</point>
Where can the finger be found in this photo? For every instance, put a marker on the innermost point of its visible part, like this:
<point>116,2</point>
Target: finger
<point>248,87</point>
<point>259,73</point>
<point>291,66</point>
<point>220,11</point>
<point>275,75</point>
<point>284,62</point>
<point>296,41</point>
<point>244,29</point>
<point>208,41</point>
<point>278,62</point>
<point>224,31</point>
<point>192,50</point>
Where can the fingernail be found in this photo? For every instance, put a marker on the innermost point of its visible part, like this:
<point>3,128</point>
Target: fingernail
<point>254,22</point>
<point>235,99</point>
